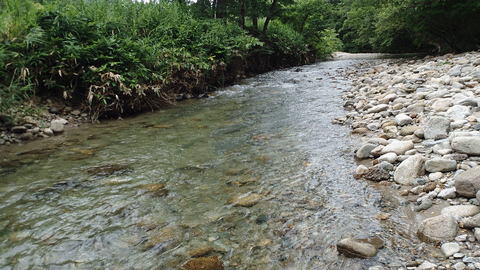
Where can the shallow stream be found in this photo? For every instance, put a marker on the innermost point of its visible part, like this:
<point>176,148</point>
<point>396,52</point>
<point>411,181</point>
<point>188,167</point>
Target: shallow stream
<point>151,191</point>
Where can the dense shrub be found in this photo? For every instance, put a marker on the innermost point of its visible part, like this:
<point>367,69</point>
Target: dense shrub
<point>123,55</point>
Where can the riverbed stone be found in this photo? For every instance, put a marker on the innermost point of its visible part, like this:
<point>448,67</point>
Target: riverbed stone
<point>447,193</point>
<point>471,222</point>
<point>409,170</point>
<point>461,211</point>
<point>378,108</point>
<point>440,165</point>
<point>245,200</point>
<point>18,129</point>
<point>365,150</point>
<point>352,248</point>
<point>442,104</point>
<point>458,112</point>
<point>437,229</point>
<point>203,263</point>
<point>468,145</point>
<point>467,184</point>
<point>448,249</point>
<point>403,119</point>
<point>377,174</point>
<point>57,126</point>
<point>397,147</point>
<point>389,157</point>
<point>437,127</point>
<point>408,130</point>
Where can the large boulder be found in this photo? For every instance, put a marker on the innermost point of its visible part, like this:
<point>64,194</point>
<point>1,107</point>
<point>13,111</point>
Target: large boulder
<point>409,170</point>
<point>437,127</point>
<point>468,145</point>
<point>467,184</point>
<point>438,229</point>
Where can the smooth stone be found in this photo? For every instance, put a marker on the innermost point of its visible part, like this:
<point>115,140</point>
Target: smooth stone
<point>435,176</point>
<point>408,130</point>
<point>459,266</point>
<point>424,205</point>
<point>352,248</point>
<point>389,157</point>
<point>398,147</point>
<point>436,126</point>
<point>373,126</point>
<point>460,211</point>
<point>449,249</point>
<point>361,169</point>
<point>365,151</point>
<point>467,145</point>
<point>438,229</point>
<point>387,166</point>
<point>426,265</point>
<point>377,109</point>
<point>467,184</point>
<point>409,170</point>
<point>442,104</point>
<point>440,165</point>
<point>447,193</point>
<point>477,195</point>
<point>210,263</point>
<point>245,200</point>
<point>403,119</point>
<point>48,131</point>
<point>458,124</point>
<point>458,112</point>
<point>57,126</point>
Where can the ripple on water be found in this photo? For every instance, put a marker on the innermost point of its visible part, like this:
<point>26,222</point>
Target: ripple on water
<point>256,176</point>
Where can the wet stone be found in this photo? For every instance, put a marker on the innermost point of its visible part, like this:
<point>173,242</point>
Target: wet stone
<point>352,248</point>
<point>210,263</point>
<point>245,200</point>
<point>200,251</point>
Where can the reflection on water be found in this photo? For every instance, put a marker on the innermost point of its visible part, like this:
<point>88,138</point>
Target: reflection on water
<point>256,175</point>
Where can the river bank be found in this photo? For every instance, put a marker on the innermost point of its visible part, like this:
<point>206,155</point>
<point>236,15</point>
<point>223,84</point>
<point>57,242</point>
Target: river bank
<point>419,123</point>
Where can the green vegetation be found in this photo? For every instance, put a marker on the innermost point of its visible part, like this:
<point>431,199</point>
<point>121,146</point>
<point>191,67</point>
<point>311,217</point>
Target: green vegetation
<point>438,26</point>
<point>121,56</point>
<point>118,56</point>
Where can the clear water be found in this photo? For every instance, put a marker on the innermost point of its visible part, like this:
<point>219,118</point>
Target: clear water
<point>143,193</point>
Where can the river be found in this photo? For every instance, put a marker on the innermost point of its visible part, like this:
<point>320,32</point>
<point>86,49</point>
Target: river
<point>149,192</point>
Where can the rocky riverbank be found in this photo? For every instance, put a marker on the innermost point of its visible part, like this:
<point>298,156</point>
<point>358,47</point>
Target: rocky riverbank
<point>419,120</point>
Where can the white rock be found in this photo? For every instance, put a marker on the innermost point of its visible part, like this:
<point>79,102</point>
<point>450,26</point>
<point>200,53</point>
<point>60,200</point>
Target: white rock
<point>48,131</point>
<point>435,176</point>
<point>389,157</point>
<point>460,211</point>
<point>57,126</point>
<point>361,169</point>
<point>403,119</point>
<point>426,265</point>
<point>409,170</point>
<point>397,147</point>
<point>458,112</point>
<point>449,249</point>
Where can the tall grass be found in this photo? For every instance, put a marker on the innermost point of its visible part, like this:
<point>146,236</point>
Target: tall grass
<point>119,55</point>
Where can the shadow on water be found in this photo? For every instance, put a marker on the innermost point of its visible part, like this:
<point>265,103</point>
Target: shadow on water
<point>256,175</point>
